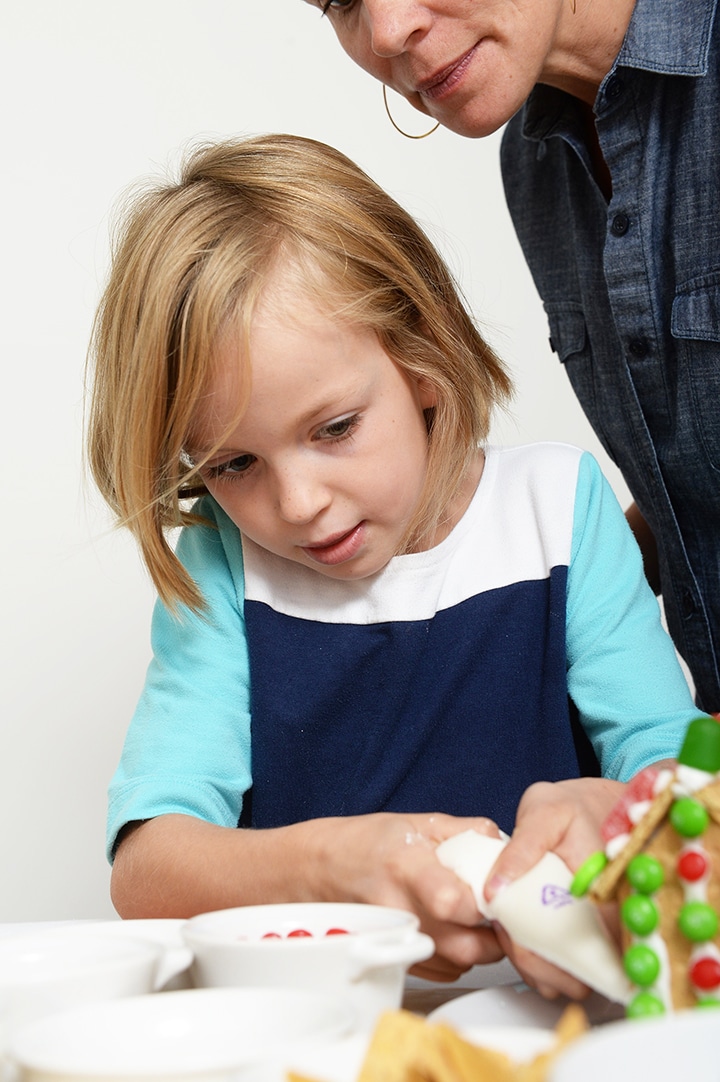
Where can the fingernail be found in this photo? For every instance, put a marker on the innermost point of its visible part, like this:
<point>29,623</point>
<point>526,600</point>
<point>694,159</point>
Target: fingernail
<point>495,884</point>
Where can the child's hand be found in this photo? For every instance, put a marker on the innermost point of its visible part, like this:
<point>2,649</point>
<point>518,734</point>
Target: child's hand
<point>389,859</point>
<point>564,818</point>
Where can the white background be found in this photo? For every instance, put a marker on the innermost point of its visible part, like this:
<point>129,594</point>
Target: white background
<point>94,95</point>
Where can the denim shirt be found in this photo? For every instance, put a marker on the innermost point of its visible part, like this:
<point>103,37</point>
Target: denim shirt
<point>631,287</point>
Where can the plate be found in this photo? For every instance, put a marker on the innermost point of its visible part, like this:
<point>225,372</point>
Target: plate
<point>337,1061</point>
<point>682,1045</point>
<point>518,1005</point>
<point>195,1034</point>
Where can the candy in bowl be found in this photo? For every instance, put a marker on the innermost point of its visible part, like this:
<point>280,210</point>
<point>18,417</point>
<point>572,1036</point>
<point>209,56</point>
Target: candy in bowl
<point>361,952</point>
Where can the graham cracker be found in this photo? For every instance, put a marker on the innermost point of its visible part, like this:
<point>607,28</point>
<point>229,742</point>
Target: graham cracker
<point>605,887</point>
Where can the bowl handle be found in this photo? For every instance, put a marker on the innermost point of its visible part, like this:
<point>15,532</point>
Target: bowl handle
<point>367,956</point>
<point>171,963</point>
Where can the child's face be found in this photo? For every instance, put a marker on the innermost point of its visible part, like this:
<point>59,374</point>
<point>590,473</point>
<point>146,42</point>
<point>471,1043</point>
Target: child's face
<point>327,463</point>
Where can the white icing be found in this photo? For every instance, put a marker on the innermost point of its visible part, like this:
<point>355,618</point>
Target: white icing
<point>696,891</point>
<point>637,810</point>
<point>661,988</point>
<point>688,780</point>
<point>665,776</point>
<point>616,845</point>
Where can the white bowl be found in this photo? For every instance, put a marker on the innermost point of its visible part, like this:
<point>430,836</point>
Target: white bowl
<point>163,932</point>
<point>367,965</point>
<point>54,969</point>
<point>685,1045</point>
<point>201,1035</point>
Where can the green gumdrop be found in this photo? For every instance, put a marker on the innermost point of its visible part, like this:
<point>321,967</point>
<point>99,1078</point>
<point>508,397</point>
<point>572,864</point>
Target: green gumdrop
<point>701,746</point>
<point>639,914</point>
<point>688,817</point>
<point>645,874</point>
<point>588,871</point>
<point>644,1005</point>
<point>641,964</point>
<point>698,921</point>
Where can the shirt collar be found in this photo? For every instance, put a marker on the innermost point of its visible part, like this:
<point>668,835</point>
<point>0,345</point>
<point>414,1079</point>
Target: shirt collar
<point>672,37</point>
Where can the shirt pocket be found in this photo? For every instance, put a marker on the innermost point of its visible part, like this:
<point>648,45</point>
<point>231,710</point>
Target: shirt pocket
<point>696,309</point>
<point>567,330</point>
<point>695,325</point>
<point>569,339</point>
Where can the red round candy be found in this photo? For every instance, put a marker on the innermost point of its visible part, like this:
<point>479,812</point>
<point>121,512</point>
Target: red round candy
<point>692,865</point>
<point>299,933</point>
<point>705,973</point>
<point>337,931</point>
<point>271,935</point>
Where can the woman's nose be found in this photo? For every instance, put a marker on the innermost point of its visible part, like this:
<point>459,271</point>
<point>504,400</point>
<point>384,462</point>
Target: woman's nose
<point>393,23</point>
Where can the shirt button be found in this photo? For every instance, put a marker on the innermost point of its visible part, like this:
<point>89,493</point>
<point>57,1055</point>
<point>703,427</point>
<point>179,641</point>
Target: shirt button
<point>689,607</point>
<point>620,224</point>
<point>613,87</point>
<point>639,347</point>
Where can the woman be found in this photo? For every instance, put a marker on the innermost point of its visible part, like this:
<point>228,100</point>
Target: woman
<point>612,181</point>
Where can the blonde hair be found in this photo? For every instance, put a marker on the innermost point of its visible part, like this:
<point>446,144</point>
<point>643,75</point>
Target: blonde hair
<point>194,255</point>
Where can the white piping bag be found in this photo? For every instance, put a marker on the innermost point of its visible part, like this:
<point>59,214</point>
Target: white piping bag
<point>539,913</point>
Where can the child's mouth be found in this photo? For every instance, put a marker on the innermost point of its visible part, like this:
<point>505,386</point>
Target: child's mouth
<point>338,549</point>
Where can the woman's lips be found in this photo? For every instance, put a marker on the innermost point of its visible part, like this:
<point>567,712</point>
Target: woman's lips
<point>447,79</point>
<point>338,549</point>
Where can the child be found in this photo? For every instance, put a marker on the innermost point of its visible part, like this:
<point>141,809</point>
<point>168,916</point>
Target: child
<point>370,614</point>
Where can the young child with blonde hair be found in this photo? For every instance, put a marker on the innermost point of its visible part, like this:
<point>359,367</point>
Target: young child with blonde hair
<point>375,629</point>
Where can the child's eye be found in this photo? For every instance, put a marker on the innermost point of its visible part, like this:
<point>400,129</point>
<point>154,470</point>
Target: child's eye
<point>234,467</point>
<point>338,430</point>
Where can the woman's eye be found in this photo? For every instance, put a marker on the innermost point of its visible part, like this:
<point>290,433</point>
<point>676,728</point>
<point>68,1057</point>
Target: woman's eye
<point>340,429</point>
<point>234,467</point>
<point>336,5</point>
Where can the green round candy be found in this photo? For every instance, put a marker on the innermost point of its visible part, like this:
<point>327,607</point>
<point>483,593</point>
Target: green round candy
<point>701,746</point>
<point>639,914</point>
<point>645,874</point>
<point>708,1001</point>
<point>588,871</point>
<point>688,817</point>
<point>644,1005</point>
<point>698,921</point>
<point>641,964</point>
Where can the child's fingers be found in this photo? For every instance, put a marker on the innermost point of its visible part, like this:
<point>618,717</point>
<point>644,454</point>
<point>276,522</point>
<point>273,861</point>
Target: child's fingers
<point>539,974</point>
<point>457,950</point>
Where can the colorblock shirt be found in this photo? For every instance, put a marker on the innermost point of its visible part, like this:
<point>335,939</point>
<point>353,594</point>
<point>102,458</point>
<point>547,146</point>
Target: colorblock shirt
<point>631,287</point>
<point>442,683</point>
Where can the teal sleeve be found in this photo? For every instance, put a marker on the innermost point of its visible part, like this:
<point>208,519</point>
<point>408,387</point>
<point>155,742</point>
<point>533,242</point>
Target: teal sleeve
<point>623,673</point>
<point>187,749</point>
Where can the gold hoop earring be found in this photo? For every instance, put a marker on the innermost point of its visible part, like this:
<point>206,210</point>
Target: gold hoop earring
<point>397,126</point>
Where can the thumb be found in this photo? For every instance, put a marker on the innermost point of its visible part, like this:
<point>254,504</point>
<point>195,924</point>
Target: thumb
<point>526,847</point>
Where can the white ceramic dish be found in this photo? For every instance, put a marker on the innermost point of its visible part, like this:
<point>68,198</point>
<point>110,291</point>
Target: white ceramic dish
<point>165,933</point>
<point>55,968</point>
<point>680,1046</point>
<point>367,964</point>
<point>196,1034</point>
<point>517,1005</point>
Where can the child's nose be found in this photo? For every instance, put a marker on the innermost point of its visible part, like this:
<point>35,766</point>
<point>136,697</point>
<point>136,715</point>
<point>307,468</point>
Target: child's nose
<point>301,494</point>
